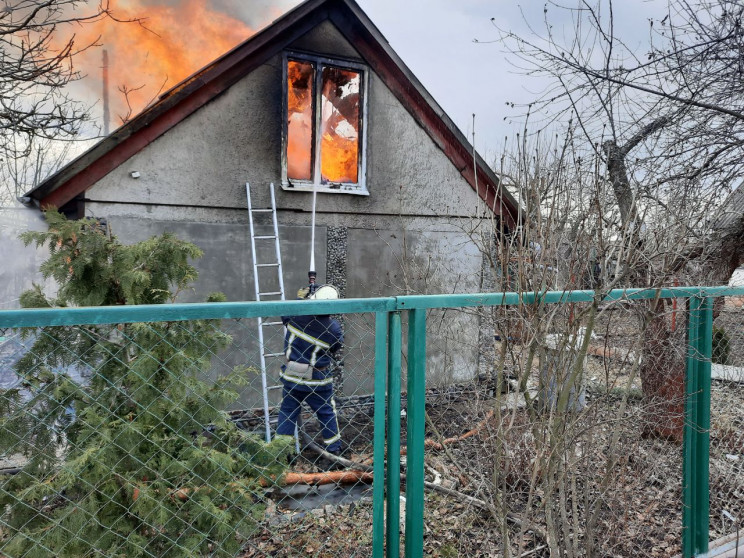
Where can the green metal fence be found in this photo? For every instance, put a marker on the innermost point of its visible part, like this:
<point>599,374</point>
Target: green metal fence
<point>379,357</point>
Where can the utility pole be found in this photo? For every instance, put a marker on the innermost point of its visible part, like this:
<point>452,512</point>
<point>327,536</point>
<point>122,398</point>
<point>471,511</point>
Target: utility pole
<point>106,116</point>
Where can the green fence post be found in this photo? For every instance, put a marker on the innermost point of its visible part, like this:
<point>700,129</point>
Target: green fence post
<point>696,447</point>
<point>690,440</point>
<point>415,434</point>
<point>705,340</point>
<point>393,445</point>
<point>378,490</point>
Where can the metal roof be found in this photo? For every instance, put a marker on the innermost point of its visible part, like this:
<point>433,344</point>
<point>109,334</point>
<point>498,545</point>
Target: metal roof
<point>731,211</point>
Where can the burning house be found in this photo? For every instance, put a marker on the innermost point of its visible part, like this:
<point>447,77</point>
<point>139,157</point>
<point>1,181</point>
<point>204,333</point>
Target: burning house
<point>318,101</point>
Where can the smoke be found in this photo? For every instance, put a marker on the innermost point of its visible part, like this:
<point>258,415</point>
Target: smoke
<point>256,13</point>
<point>155,44</point>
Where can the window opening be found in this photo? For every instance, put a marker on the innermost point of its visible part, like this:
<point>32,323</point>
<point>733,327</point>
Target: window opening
<point>300,78</point>
<point>325,112</point>
<point>339,148</point>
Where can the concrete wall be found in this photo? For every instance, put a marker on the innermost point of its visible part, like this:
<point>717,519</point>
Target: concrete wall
<point>407,236</point>
<point>20,264</point>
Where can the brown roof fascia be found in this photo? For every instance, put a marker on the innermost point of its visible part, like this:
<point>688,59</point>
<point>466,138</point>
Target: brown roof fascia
<point>175,105</point>
<point>371,44</point>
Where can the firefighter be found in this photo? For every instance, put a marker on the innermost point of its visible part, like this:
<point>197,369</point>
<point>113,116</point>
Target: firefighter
<point>309,345</point>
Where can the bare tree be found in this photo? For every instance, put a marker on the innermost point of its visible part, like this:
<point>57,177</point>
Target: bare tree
<point>41,157</point>
<point>667,120</point>
<point>38,47</point>
<point>547,464</point>
<point>667,124</point>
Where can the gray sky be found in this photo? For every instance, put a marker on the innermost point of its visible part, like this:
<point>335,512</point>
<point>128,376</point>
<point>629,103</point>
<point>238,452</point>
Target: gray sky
<point>435,39</point>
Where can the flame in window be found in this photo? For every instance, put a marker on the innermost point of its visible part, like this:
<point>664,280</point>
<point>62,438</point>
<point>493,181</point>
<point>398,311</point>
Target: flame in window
<point>339,123</point>
<point>299,120</point>
<point>339,148</point>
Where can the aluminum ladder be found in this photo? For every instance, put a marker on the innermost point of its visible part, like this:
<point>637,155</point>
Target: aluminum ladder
<point>277,264</point>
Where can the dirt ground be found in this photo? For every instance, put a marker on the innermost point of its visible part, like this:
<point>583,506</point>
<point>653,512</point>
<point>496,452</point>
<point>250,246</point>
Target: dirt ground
<point>634,508</point>
<point>610,489</point>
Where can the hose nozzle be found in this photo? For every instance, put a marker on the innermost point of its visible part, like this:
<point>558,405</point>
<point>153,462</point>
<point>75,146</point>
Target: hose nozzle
<point>311,277</point>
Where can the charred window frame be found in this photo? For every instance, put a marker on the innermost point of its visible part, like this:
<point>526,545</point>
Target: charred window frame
<point>311,163</point>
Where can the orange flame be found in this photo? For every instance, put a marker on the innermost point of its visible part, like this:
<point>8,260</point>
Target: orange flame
<point>300,77</point>
<point>172,42</point>
<point>339,133</point>
<point>339,148</point>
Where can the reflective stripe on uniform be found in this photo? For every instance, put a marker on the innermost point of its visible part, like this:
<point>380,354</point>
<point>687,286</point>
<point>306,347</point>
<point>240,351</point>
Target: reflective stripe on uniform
<point>302,381</point>
<point>288,352</point>
<point>335,417</point>
<point>334,439</point>
<point>295,333</point>
<point>309,338</point>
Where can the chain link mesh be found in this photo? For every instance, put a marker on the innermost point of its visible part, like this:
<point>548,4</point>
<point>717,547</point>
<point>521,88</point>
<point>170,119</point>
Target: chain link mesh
<point>525,465</point>
<point>727,420</point>
<point>148,439</point>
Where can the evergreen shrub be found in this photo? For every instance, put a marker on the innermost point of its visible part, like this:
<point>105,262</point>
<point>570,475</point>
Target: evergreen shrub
<point>139,458</point>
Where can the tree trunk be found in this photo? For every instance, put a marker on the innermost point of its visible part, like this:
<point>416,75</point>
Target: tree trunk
<point>663,365</point>
<point>663,376</point>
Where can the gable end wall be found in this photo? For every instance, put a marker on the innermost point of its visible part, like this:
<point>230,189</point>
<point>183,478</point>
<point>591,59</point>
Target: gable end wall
<point>407,236</point>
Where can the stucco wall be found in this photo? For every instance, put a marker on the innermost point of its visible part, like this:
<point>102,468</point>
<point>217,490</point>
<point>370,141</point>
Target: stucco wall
<point>20,264</point>
<point>207,159</point>
<point>408,236</point>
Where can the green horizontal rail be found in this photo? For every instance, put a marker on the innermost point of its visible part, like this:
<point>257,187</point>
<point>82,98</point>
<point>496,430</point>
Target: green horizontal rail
<point>557,297</point>
<point>38,317</point>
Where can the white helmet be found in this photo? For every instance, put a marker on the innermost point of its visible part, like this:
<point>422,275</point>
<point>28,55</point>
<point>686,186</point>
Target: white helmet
<point>324,292</point>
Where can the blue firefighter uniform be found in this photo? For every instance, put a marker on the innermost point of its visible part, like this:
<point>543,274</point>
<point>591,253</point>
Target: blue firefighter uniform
<point>309,342</point>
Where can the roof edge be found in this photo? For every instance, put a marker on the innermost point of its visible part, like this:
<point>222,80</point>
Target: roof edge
<point>177,103</point>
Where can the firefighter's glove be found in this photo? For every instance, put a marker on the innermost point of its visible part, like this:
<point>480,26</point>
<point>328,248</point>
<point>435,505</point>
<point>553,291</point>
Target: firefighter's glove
<point>303,292</point>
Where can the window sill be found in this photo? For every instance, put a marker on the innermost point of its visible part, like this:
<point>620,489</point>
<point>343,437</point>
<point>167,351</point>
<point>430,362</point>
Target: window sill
<point>324,189</point>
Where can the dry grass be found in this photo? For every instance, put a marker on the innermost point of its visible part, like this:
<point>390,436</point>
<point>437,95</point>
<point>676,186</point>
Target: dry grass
<point>635,497</point>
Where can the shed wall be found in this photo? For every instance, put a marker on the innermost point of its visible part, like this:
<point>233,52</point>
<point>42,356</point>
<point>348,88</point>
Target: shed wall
<point>407,236</point>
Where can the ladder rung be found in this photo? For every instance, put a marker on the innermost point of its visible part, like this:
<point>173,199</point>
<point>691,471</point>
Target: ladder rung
<point>264,237</point>
<point>274,354</point>
<point>267,265</point>
<point>262,210</point>
<point>269,294</point>
<point>273,387</point>
<point>272,323</point>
